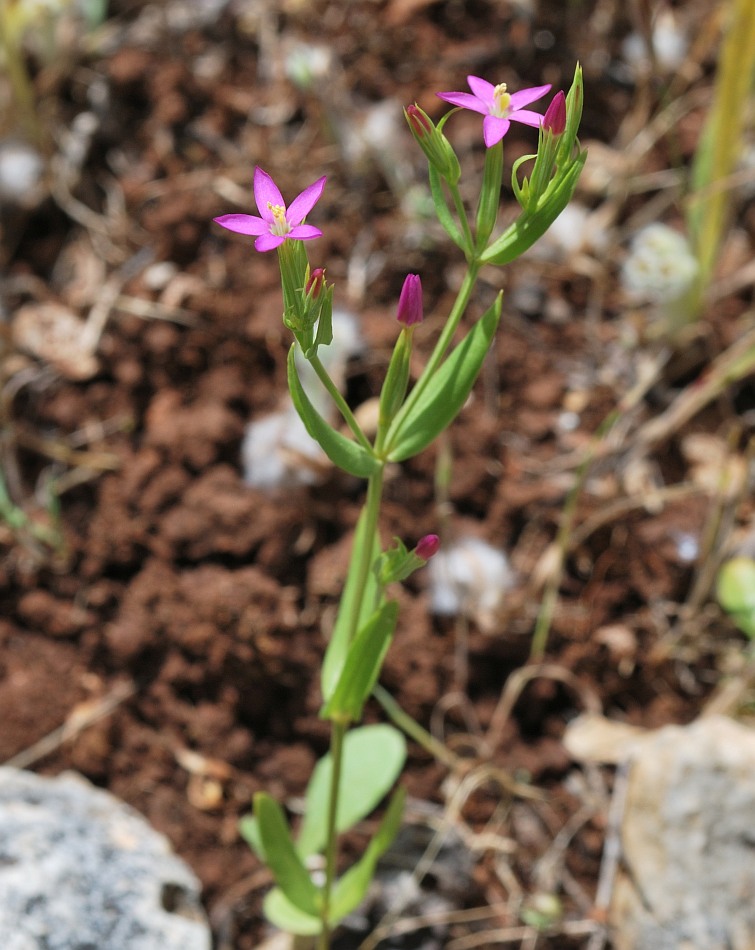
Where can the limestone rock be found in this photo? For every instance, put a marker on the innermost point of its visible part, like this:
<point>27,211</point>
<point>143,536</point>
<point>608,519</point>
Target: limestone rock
<point>688,841</point>
<point>80,870</point>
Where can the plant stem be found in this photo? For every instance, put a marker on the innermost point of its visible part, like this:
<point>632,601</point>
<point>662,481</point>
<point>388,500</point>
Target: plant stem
<point>338,729</point>
<point>343,406</point>
<point>462,214</point>
<point>337,734</point>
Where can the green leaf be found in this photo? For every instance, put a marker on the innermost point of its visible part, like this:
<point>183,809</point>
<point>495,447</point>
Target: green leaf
<point>445,393</point>
<point>338,647</point>
<point>350,889</point>
<point>347,455</point>
<point>281,856</point>
<point>362,665</point>
<point>373,757</point>
<point>283,914</point>
<point>249,830</point>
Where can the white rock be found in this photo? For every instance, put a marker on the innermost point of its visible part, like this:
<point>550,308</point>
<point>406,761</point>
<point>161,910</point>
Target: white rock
<point>80,869</point>
<point>21,170</point>
<point>660,266</point>
<point>688,841</point>
<point>469,577</point>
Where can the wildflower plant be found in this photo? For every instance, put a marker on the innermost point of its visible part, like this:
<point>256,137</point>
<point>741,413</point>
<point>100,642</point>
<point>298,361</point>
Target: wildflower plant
<point>364,762</point>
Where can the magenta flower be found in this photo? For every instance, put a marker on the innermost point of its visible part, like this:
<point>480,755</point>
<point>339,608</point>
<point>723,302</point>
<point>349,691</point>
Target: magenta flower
<point>277,222</point>
<point>409,311</point>
<point>499,107</point>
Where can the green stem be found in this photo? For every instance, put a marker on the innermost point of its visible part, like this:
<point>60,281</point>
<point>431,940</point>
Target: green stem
<point>413,729</point>
<point>338,729</point>
<point>343,406</point>
<point>23,91</point>
<point>462,214</point>
<point>338,732</point>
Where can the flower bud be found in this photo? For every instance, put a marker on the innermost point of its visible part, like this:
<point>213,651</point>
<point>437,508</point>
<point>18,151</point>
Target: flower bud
<point>433,143</point>
<point>427,547</point>
<point>409,312</point>
<point>315,283</point>
<point>554,119</point>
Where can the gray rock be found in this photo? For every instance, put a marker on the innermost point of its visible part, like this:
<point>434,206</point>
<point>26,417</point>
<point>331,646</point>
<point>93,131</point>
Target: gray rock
<point>80,870</point>
<point>688,841</point>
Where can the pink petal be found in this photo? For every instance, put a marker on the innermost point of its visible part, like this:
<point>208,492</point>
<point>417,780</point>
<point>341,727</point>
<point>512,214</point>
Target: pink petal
<point>266,192</point>
<point>527,117</point>
<point>242,223</point>
<point>304,232</point>
<point>303,203</point>
<point>525,96</point>
<point>266,242</point>
<point>494,129</point>
<point>483,89</point>
<point>465,100</point>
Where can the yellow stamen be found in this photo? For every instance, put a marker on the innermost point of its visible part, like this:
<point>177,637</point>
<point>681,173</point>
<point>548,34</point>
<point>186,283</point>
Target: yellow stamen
<point>501,100</point>
<point>281,227</point>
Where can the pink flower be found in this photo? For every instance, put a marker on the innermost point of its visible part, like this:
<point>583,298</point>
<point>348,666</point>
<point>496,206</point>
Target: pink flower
<point>427,547</point>
<point>277,222</point>
<point>409,310</point>
<point>499,107</point>
<point>554,119</point>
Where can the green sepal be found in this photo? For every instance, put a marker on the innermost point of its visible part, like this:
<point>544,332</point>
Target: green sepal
<point>529,227</point>
<point>338,646</point>
<point>347,455</point>
<point>281,856</point>
<point>490,195</point>
<point>287,917</point>
<point>417,425</point>
<point>350,889</point>
<point>396,379</point>
<point>362,666</point>
<point>372,760</point>
<point>574,103</point>
<point>521,192</point>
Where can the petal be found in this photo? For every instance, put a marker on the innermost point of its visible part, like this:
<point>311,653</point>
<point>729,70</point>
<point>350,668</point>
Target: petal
<point>266,242</point>
<point>483,89</point>
<point>464,100</point>
<point>525,96</point>
<point>266,192</point>
<point>304,232</point>
<point>494,129</point>
<point>527,117</point>
<point>305,202</point>
<point>242,223</point>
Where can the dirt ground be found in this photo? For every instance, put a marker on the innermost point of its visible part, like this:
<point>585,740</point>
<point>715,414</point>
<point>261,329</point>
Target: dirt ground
<point>167,619</point>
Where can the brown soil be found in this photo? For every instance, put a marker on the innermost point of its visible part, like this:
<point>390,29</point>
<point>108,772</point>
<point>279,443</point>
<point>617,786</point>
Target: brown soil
<point>192,606</point>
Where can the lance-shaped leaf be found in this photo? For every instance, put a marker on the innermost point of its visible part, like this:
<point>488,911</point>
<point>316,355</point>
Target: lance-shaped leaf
<point>362,666</point>
<point>352,600</point>
<point>347,455</point>
<point>350,889</point>
<point>281,856</point>
<point>281,913</point>
<point>373,757</point>
<point>419,422</point>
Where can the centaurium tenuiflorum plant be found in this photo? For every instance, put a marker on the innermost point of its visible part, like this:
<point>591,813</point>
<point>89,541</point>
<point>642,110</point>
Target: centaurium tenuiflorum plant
<point>365,761</point>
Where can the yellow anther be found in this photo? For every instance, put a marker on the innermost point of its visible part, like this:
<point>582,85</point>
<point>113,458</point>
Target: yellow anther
<point>501,100</point>
<point>281,225</point>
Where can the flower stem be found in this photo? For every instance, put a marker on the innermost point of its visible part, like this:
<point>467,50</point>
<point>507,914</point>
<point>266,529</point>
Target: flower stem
<point>343,406</point>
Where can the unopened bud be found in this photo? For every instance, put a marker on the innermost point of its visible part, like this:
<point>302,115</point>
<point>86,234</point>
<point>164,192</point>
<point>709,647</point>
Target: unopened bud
<point>315,283</point>
<point>427,547</point>
<point>433,143</point>
<point>409,312</point>
<point>554,119</point>
<point>418,121</point>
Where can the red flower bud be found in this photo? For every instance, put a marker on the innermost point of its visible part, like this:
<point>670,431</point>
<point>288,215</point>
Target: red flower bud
<point>427,546</point>
<point>419,121</point>
<point>410,302</point>
<point>315,283</point>
<point>554,119</point>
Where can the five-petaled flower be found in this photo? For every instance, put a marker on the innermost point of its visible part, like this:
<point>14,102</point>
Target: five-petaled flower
<point>498,106</point>
<point>277,222</point>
